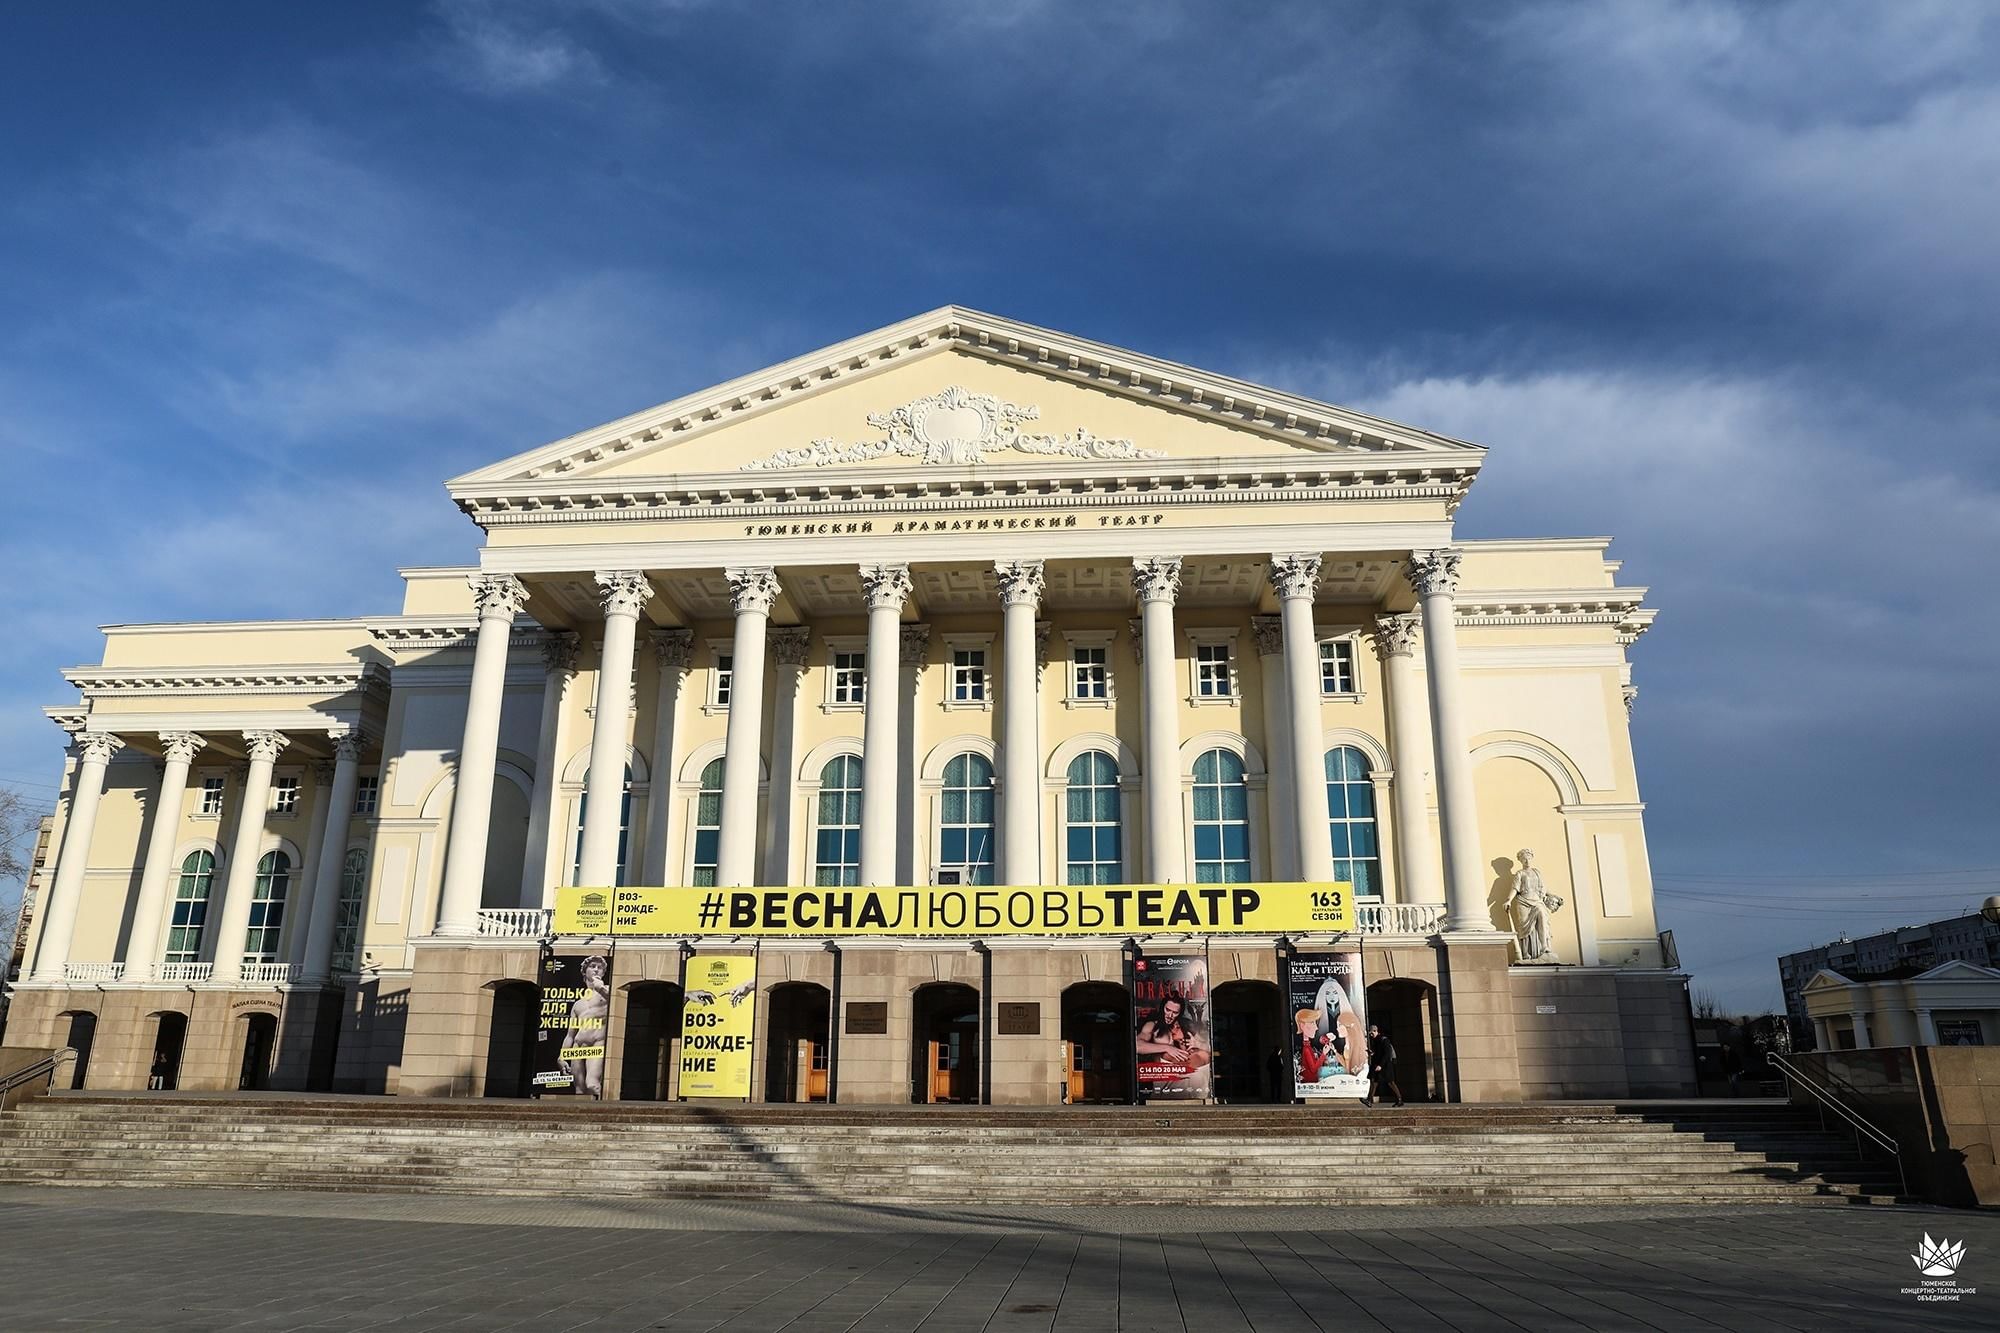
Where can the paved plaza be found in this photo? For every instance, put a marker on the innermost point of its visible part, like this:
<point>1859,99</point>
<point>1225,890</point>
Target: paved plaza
<point>193,1259</point>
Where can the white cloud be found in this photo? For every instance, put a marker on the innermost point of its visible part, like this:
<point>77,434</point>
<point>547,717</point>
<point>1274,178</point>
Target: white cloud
<point>505,49</point>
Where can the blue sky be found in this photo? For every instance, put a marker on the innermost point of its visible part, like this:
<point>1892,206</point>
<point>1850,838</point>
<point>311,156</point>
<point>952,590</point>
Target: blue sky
<point>1719,280</point>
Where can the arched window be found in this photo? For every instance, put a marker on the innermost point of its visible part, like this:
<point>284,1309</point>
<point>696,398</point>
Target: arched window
<point>837,853</point>
<point>190,908</point>
<point>347,913</point>
<point>624,831</point>
<point>1094,852</point>
<point>1350,808</point>
<point>707,824</point>
<point>1221,820</point>
<point>267,908</point>
<point>965,820</point>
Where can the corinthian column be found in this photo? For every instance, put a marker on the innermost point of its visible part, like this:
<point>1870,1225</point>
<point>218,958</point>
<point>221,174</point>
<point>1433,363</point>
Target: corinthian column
<point>499,597</point>
<point>623,595</point>
<point>674,649</point>
<point>559,651</point>
<point>887,588</point>
<point>1269,634</point>
<point>1434,575</point>
<point>244,853</point>
<point>753,591</point>
<point>95,749</point>
<point>1020,748</point>
<point>1159,582</point>
<point>789,645</point>
<point>1417,874</point>
<point>1296,580</point>
<point>324,911</point>
<point>150,912</point>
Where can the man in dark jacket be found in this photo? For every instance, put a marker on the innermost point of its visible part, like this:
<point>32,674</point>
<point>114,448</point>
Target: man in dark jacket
<point>1381,1067</point>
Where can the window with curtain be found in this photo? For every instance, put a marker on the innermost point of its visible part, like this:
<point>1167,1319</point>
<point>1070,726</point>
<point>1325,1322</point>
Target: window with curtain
<point>347,913</point>
<point>267,908</point>
<point>1350,806</point>
<point>1093,848</point>
<point>965,819</point>
<point>1221,819</point>
<point>624,831</point>
<point>837,851</point>
<point>190,908</point>
<point>707,824</point>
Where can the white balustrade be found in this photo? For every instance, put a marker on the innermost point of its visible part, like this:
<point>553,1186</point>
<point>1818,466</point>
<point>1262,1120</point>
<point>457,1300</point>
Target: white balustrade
<point>514,922</point>
<point>183,971</point>
<point>266,974</point>
<point>1399,918</point>
<point>93,971</point>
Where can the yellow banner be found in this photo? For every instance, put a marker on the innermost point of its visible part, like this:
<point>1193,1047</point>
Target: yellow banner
<point>718,1025</point>
<point>961,910</point>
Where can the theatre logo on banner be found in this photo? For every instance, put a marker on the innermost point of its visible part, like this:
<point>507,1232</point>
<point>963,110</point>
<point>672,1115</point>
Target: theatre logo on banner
<point>570,1029</point>
<point>1171,1036</point>
<point>718,1025</point>
<point>1330,1012</point>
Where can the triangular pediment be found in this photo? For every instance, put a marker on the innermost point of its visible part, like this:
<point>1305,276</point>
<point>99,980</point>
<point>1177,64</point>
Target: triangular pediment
<point>1825,979</point>
<point>1957,969</point>
<point>956,389</point>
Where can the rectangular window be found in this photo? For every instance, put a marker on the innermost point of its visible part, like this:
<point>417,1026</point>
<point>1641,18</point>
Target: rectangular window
<point>725,676</point>
<point>968,675</point>
<point>1211,670</point>
<point>285,796</point>
<point>850,678</point>
<point>211,796</point>
<point>1090,673</point>
<point>367,790</point>
<point>1336,666</point>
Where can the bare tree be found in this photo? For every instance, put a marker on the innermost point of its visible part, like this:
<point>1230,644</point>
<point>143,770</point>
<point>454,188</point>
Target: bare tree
<point>19,825</point>
<point>1705,1005</point>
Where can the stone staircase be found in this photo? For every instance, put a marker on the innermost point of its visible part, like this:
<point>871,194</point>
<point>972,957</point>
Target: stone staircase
<point>1689,1152</point>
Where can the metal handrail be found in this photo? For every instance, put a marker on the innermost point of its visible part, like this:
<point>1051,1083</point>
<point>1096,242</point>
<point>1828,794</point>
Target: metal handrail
<point>43,1068</point>
<point>1864,1132</point>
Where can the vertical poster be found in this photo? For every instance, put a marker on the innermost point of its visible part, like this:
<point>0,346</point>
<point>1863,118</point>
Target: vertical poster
<point>570,1029</point>
<point>1328,1004</point>
<point>718,1024</point>
<point>1171,1040</point>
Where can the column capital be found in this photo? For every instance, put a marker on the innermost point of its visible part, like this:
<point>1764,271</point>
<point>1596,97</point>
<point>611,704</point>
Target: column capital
<point>1395,636</point>
<point>1295,575</point>
<point>559,650</point>
<point>498,595</point>
<point>623,592</point>
<point>753,588</point>
<point>1433,573</point>
<point>98,746</point>
<point>915,641</point>
<point>1630,693</point>
<point>323,771</point>
<point>887,586</point>
<point>673,647</point>
<point>1269,633</point>
<point>265,746</point>
<point>1158,578</point>
<point>348,745</point>
<point>1020,582</point>
<point>788,644</point>
<point>180,747</point>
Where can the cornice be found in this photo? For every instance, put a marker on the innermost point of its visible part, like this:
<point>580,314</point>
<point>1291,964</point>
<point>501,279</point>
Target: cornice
<point>412,634</point>
<point>1619,607</point>
<point>165,682</point>
<point>1295,420</point>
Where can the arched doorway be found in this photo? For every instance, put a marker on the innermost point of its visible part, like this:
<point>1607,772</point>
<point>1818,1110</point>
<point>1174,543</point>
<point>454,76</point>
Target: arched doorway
<point>1407,1012</point>
<point>510,1039</point>
<point>652,1026</point>
<point>82,1032</point>
<point>797,1042</point>
<point>260,1037</point>
<point>1097,1039</point>
<point>169,1041</point>
<point>1251,1046</point>
<point>944,1043</point>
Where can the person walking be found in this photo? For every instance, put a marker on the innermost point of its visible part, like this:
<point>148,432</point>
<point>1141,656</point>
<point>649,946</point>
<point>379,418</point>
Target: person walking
<point>1381,1067</point>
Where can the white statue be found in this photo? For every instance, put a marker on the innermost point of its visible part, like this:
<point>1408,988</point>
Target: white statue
<point>1530,906</point>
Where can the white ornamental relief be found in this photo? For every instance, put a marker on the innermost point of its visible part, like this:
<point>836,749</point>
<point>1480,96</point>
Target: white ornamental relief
<point>954,427</point>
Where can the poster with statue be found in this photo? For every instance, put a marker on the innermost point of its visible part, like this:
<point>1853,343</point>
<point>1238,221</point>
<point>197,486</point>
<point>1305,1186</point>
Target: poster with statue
<point>1328,1002</point>
<point>570,1028</point>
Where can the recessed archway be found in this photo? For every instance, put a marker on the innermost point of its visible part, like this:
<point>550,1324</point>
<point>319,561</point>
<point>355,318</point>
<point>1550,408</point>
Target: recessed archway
<point>797,1042</point>
<point>652,1029</point>
<point>944,1043</point>
<point>1251,1063</point>
<point>510,1039</point>
<point>1097,1038</point>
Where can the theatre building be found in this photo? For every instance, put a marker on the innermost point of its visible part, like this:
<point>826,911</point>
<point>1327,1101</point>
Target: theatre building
<point>959,601</point>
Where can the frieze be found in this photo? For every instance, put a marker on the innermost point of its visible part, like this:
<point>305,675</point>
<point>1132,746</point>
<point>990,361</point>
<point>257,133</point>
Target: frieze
<point>953,427</point>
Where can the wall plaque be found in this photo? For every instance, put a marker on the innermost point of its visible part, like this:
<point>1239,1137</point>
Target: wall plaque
<point>1021,1020</point>
<point>867,1018</point>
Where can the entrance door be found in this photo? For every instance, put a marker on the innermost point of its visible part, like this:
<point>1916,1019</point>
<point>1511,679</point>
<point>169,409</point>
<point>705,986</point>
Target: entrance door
<point>1405,1010</point>
<point>82,1032</point>
<point>945,1042</point>
<point>169,1040</point>
<point>652,1026</point>
<point>260,1035</point>
<point>796,1048</point>
<point>1249,1035</point>
<point>1097,1034</point>
<point>510,1041</point>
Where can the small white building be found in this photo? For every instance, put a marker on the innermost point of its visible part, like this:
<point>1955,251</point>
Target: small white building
<point>1953,1004</point>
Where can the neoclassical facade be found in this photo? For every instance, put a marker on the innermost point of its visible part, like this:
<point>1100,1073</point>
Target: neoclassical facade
<point>958,601</point>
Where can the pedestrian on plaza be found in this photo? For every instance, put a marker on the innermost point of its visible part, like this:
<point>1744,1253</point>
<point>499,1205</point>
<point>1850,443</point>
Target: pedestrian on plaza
<point>1732,1066</point>
<point>158,1081</point>
<point>1381,1067</point>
